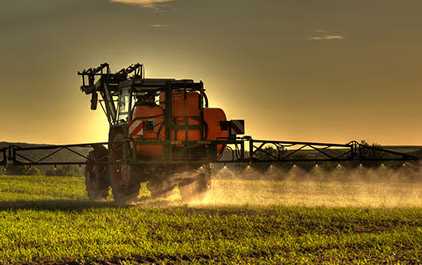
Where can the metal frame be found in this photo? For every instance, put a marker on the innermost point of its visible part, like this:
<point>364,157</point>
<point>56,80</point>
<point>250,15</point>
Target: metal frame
<point>16,155</point>
<point>314,152</point>
<point>280,152</point>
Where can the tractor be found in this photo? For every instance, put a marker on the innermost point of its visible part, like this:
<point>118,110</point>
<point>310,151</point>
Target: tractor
<point>162,133</point>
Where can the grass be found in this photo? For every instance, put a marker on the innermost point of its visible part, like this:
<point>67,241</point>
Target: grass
<point>48,220</point>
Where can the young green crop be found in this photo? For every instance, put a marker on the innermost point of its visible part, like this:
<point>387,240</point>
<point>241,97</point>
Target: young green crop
<point>48,220</point>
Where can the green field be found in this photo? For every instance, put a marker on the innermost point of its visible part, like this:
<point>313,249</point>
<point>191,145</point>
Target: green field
<point>48,220</point>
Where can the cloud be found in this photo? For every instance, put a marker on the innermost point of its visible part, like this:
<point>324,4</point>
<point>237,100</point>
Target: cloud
<point>327,37</point>
<point>159,26</point>
<point>143,3</point>
<point>322,34</point>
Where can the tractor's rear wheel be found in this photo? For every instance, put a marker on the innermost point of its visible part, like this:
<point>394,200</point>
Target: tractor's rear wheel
<point>125,185</point>
<point>97,179</point>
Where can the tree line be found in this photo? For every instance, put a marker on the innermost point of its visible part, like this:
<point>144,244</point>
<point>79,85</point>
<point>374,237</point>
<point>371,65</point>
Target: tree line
<point>65,170</point>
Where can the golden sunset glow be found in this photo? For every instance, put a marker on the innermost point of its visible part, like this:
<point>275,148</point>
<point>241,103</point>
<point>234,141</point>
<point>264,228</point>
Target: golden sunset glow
<point>294,70</point>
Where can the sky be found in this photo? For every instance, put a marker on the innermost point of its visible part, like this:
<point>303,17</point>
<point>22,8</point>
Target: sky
<point>308,70</point>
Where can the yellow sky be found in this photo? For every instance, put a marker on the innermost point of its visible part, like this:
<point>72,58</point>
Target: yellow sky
<point>330,71</point>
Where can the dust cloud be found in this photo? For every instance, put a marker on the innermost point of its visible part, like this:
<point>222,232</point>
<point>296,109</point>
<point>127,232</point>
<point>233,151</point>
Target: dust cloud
<point>338,187</point>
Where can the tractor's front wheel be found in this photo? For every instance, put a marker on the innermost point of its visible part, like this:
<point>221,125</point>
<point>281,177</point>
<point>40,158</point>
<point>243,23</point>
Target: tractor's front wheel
<point>124,180</point>
<point>97,179</point>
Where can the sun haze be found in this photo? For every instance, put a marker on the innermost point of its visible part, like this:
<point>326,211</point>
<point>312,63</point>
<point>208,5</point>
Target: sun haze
<point>329,71</point>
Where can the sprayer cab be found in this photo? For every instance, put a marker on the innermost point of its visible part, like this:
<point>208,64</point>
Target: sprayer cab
<point>164,118</point>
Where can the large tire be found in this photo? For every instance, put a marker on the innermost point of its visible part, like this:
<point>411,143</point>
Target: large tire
<point>124,178</point>
<point>97,179</point>
<point>125,185</point>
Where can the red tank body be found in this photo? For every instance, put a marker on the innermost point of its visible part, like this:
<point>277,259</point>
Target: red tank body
<point>148,124</point>
<point>186,112</point>
<point>213,118</point>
